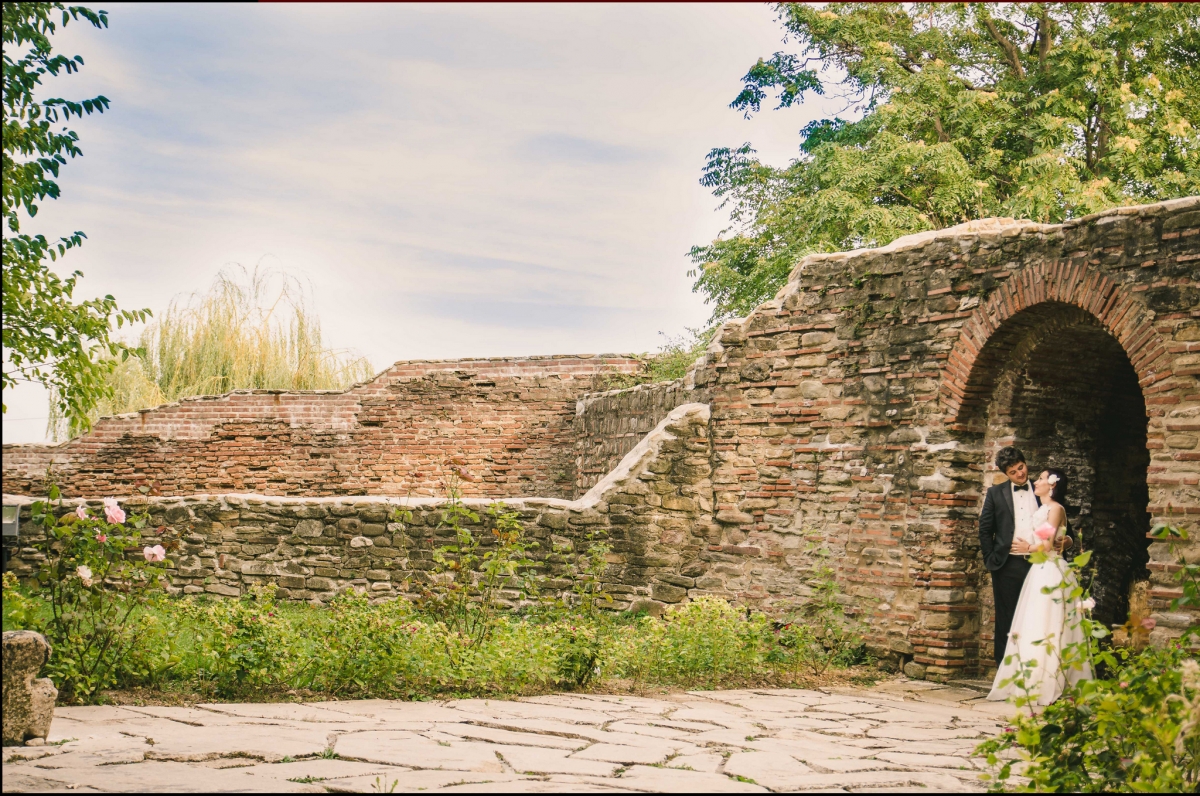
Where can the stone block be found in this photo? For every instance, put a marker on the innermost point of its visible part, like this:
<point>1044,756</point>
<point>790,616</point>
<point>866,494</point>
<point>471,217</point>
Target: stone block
<point>28,699</point>
<point>667,593</point>
<point>319,584</point>
<point>678,503</point>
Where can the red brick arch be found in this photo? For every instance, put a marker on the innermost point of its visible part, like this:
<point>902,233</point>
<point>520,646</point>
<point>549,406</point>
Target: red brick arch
<point>1117,309</point>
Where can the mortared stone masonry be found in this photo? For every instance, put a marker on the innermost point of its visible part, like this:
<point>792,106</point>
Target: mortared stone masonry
<point>851,421</point>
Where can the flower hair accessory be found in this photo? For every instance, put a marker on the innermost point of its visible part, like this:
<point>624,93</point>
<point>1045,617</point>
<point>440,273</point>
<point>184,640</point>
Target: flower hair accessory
<point>1052,479</point>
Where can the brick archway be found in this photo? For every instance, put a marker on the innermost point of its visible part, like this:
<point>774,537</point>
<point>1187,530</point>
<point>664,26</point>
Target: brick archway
<point>968,381</point>
<point>1060,361</point>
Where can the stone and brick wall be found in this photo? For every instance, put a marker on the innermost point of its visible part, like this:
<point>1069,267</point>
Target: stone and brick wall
<point>509,420</point>
<point>609,424</point>
<point>863,405</point>
<point>651,509</point>
<point>854,419</point>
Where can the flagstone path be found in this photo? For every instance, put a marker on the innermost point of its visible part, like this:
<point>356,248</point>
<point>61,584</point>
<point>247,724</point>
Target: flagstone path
<point>899,736</point>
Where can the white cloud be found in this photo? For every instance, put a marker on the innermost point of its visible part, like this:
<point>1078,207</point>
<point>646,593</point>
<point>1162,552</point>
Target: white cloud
<point>452,180</point>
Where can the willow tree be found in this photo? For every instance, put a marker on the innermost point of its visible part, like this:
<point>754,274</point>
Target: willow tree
<point>954,112</point>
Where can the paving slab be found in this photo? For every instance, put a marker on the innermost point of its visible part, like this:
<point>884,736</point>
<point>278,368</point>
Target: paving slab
<point>901,736</point>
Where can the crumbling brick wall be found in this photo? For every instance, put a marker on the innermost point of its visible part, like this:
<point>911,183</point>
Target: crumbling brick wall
<point>509,421</point>
<point>650,510</point>
<point>863,405</point>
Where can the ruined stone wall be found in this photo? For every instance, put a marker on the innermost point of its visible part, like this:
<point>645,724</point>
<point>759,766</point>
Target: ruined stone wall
<point>859,411</point>
<point>509,420</point>
<point>609,424</point>
<point>854,419</point>
<point>651,510</point>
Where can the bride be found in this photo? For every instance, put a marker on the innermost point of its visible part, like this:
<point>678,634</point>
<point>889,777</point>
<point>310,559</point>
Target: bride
<point>1047,619</point>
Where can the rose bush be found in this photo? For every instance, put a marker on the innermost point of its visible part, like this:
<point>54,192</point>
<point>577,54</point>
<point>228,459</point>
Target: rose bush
<point>93,583</point>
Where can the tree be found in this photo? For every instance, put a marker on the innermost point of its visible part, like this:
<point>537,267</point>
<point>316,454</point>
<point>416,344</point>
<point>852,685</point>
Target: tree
<point>250,331</point>
<point>1041,111</point>
<point>48,337</point>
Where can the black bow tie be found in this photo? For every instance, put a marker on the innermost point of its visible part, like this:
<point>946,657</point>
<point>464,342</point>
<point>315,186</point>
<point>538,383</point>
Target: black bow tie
<point>1020,488</point>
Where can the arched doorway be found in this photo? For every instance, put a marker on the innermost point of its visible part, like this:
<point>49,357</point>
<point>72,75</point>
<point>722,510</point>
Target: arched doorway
<point>1054,382</point>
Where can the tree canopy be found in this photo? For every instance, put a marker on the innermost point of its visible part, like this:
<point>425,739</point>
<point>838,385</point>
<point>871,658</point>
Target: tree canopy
<point>954,112</point>
<point>48,337</point>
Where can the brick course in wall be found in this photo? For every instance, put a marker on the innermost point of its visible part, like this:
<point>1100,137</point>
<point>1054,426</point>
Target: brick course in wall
<point>509,420</point>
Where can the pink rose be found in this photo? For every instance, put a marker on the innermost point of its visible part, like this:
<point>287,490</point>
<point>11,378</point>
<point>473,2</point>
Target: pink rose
<point>1045,531</point>
<point>101,538</point>
<point>112,512</point>
<point>156,553</point>
<point>81,512</point>
<point>1089,604</point>
<point>1149,623</point>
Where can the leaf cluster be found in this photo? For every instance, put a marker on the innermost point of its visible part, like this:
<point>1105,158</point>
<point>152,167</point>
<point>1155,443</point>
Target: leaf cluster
<point>48,337</point>
<point>954,111</point>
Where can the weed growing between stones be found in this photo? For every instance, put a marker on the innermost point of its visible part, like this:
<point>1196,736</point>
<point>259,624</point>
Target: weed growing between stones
<point>1135,728</point>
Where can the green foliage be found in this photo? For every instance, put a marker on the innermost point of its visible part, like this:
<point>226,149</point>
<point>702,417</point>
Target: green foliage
<point>48,337</point>
<point>243,644</point>
<point>672,360</point>
<point>820,634</point>
<point>1137,728</point>
<point>94,581</point>
<point>695,643</point>
<point>1133,731</point>
<point>250,331</point>
<point>1042,111</point>
<point>469,580</point>
<point>255,648</point>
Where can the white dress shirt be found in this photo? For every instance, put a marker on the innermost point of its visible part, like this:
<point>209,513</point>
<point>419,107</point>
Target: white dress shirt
<point>1024,507</point>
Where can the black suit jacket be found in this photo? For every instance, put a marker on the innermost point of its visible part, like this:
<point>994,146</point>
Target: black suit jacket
<point>997,524</point>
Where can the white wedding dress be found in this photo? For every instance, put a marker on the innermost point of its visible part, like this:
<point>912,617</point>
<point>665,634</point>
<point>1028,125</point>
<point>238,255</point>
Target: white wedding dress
<point>1044,625</point>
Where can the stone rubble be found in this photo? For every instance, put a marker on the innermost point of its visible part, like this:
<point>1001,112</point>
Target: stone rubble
<point>901,735</point>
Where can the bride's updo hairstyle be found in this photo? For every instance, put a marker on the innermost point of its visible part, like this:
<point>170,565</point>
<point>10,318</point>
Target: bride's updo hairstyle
<point>1058,491</point>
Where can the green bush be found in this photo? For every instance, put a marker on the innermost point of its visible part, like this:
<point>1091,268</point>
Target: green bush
<point>1134,731</point>
<point>243,644</point>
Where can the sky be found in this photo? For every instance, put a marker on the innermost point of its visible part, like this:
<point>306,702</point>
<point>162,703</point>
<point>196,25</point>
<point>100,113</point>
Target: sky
<point>448,180</point>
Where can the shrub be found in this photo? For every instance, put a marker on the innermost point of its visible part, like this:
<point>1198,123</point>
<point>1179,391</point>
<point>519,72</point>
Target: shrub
<point>242,644</point>
<point>1136,729</point>
<point>469,580</point>
<point>95,579</point>
<point>694,643</point>
<point>819,634</point>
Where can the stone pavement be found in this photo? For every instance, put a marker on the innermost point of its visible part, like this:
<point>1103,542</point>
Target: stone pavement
<point>899,736</point>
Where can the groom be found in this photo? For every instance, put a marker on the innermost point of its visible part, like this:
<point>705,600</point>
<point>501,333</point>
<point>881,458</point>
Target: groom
<point>1008,513</point>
